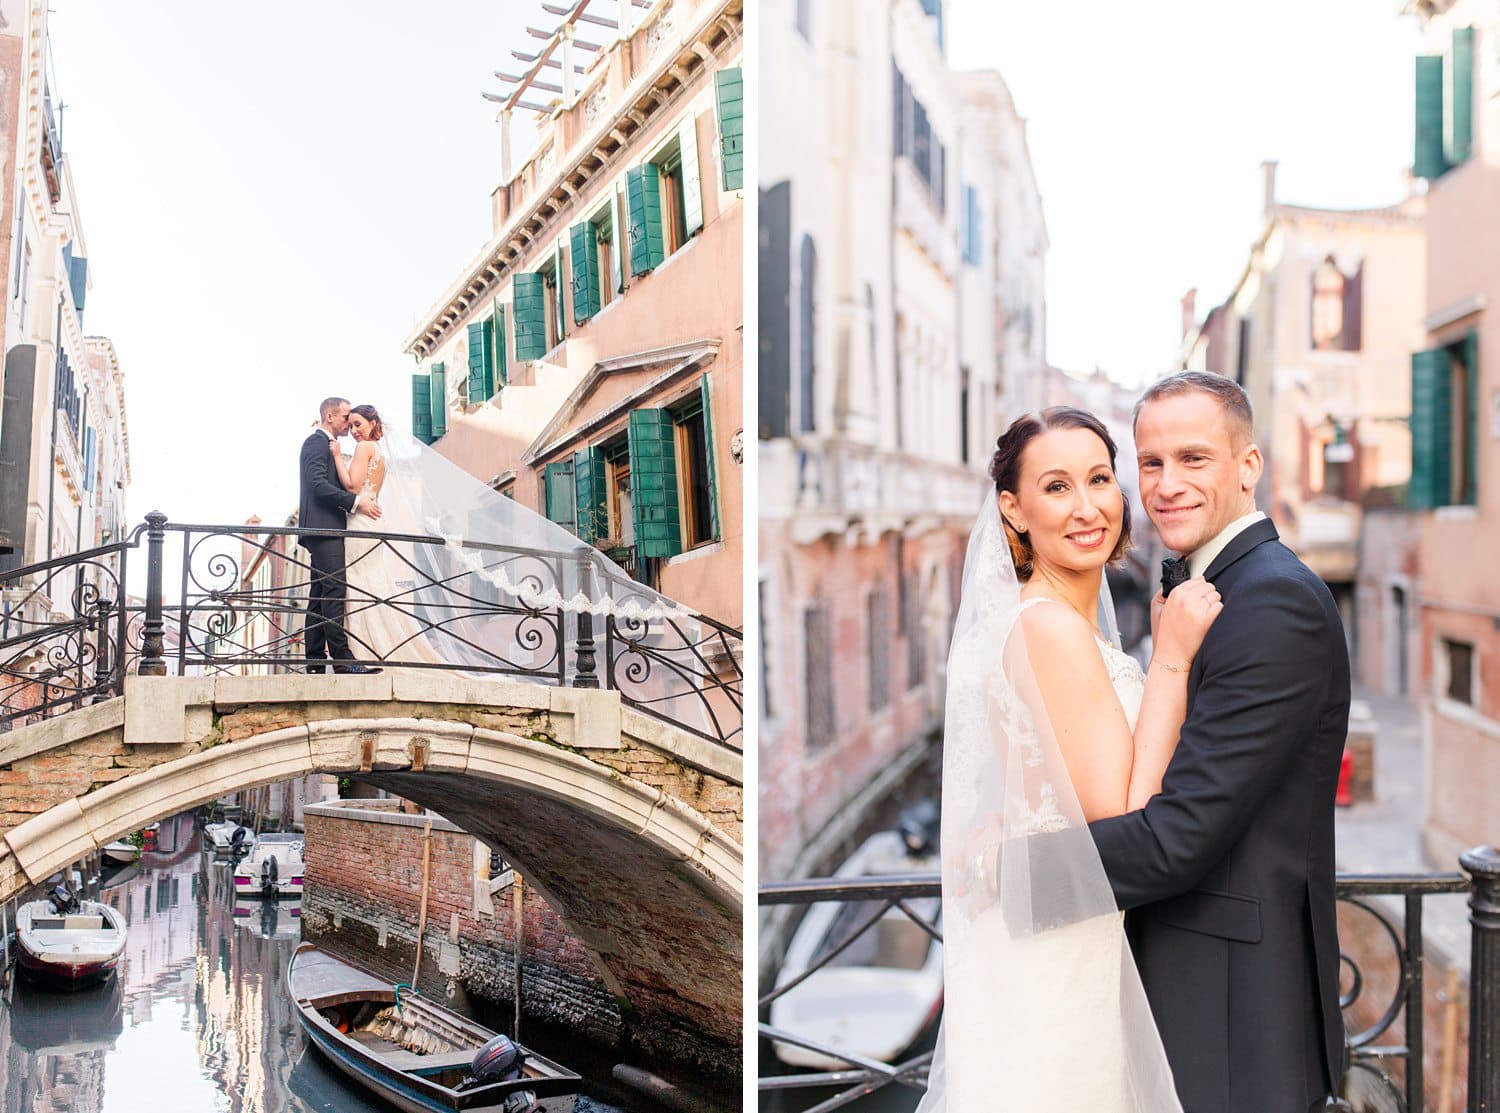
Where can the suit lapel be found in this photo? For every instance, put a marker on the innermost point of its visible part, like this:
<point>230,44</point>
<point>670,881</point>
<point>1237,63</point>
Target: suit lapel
<point>1248,538</point>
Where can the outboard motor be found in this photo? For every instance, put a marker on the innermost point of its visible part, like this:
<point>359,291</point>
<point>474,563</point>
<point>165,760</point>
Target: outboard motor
<point>270,870</point>
<point>501,1060</point>
<point>237,840</point>
<point>918,827</point>
<point>63,899</point>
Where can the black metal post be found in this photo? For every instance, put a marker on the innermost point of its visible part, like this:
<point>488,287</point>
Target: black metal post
<point>1483,867</point>
<point>103,665</point>
<point>586,675</point>
<point>152,659</point>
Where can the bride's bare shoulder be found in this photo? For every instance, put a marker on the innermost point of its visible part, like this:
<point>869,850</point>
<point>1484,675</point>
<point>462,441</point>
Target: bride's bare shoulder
<point>1053,629</point>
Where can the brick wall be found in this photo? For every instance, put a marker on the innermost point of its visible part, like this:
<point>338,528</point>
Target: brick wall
<point>363,898</point>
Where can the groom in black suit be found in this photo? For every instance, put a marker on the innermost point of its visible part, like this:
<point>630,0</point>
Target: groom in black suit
<point>325,504</point>
<point>1228,874</point>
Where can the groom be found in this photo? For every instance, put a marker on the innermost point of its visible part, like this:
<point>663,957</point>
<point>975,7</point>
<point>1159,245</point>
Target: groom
<point>1228,873</point>
<point>324,504</point>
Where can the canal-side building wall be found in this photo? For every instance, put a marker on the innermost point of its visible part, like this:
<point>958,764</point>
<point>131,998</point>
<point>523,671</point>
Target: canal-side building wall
<point>588,363</point>
<point>364,897</point>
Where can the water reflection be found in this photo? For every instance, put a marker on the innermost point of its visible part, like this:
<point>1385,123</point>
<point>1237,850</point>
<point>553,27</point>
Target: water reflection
<point>198,1019</point>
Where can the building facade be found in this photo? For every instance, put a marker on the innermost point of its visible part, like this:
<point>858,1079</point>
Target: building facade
<point>1455,425</point>
<point>901,259</point>
<point>1318,330</point>
<point>588,362</point>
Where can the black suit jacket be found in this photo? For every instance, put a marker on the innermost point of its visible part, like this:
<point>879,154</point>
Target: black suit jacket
<point>1228,873</point>
<point>324,504</point>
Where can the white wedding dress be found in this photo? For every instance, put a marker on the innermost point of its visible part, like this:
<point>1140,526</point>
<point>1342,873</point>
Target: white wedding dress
<point>1043,1010</point>
<point>380,613</point>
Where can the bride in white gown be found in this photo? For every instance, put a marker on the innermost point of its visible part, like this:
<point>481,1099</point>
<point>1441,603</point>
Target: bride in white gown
<point>1050,725</point>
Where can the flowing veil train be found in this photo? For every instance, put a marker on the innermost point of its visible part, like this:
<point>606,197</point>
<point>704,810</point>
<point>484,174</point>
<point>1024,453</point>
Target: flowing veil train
<point>1044,1010</point>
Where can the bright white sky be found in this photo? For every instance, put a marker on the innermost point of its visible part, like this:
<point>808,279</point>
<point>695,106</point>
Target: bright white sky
<point>1147,127</point>
<point>271,195</point>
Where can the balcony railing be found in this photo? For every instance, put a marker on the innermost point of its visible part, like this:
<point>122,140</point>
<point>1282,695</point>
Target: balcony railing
<point>70,635</point>
<point>1368,1054</point>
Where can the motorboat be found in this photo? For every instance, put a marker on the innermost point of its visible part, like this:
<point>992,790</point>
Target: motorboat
<point>66,943</point>
<point>882,992</point>
<point>417,1055</point>
<point>272,869</point>
<point>229,837</point>
<point>121,852</point>
<point>68,1024</point>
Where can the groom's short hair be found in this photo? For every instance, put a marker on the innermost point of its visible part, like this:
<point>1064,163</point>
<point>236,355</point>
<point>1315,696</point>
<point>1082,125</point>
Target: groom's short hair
<point>328,405</point>
<point>1231,397</point>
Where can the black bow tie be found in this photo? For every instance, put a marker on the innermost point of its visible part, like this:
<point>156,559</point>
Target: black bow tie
<point>1174,571</point>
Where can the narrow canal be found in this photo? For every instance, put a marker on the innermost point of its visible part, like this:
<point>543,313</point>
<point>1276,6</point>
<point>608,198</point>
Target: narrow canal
<point>198,1019</point>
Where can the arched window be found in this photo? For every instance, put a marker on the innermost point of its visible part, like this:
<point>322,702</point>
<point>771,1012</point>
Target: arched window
<point>1336,307</point>
<point>807,334</point>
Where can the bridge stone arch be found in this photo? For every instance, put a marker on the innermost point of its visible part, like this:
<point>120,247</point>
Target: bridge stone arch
<point>628,826</point>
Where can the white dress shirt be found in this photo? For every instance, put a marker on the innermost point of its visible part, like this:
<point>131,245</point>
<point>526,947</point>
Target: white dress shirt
<point>1201,558</point>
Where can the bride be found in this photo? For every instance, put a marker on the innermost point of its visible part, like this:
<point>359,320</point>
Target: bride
<point>1050,725</point>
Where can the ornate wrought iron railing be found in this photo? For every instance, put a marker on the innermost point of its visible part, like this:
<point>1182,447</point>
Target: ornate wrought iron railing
<point>235,602</point>
<point>852,1077</point>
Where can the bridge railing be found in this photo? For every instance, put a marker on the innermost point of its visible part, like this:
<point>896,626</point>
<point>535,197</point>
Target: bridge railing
<point>868,902</point>
<point>233,600</point>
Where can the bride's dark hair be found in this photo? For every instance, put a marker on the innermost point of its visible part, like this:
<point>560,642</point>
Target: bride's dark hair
<point>1005,470</point>
<point>377,430</point>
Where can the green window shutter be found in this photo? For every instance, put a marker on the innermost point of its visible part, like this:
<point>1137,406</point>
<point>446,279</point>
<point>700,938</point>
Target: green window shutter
<point>582,245</point>
<point>592,494</point>
<point>559,289</point>
<point>421,407</point>
<point>480,385</point>
<point>497,323</point>
<point>729,107</point>
<point>692,185</point>
<point>1458,98</point>
<point>617,240</point>
<point>653,483</point>
<point>643,199</point>
<point>713,468</point>
<point>1427,160</point>
<point>437,397</point>
<point>562,506</point>
<point>1431,409</point>
<point>1471,440</point>
<point>530,309</point>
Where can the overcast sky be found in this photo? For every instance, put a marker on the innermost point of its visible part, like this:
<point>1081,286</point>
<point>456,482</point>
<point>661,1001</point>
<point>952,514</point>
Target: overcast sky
<point>1147,127</point>
<point>271,195</point>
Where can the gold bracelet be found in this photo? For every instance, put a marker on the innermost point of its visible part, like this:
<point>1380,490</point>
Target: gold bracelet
<point>1171,667</point>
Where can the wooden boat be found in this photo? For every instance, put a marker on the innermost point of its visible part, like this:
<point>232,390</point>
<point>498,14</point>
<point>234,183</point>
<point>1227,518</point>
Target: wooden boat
<point>68,943</point>
<point>880,995</point>
<point>412,1052</point>
<point>272,869</point>
<point>221,837</point>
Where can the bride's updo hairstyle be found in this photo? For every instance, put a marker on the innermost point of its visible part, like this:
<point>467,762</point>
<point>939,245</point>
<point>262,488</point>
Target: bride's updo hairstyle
<point>377,430</point>
<point>1005,470</point>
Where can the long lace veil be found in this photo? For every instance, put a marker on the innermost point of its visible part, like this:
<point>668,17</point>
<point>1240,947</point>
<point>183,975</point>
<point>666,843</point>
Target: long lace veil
<point>1043,1007</point>
<point>507,590</point>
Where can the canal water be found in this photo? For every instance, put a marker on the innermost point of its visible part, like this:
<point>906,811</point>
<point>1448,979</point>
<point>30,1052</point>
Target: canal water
<point>198,1019</point>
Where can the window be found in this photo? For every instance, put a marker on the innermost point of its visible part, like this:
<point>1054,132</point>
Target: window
<point>695,475</point>
<point>916,638</point>
<point>1336,308</point>
<point>1458,658</point>
<point>421,407</point>
<point>554,327</point>
<point>597,276</point>
<point>963,415</point>
<point>807,334</point>
<point>673,218</point>
<point>972,232</point>
<point>878,646</point>
<point>1444,90</point>
<point>1444,425</point>
<point>665,199</point>
<point>621,508</point>
<point>817,660</point>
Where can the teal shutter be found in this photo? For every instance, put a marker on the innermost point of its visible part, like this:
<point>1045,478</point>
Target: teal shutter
<point>497,323</point>
<point>713,468</point>
<point>582,246</point>
<point>421,407</point>
<point>617,240</point>
<point>530,308</point>
<point>480,384</point>
<point>1427,159</point>
<point>437,399</point>
<point>592,494</point>
<point>562,506</point>
<point>643,199</point>
<point>1458,98</point>
<point>653,483</point>
<point>692,184</point>
<point>729,107</point>
<point>1470,347</point>
<point>1431,413</point>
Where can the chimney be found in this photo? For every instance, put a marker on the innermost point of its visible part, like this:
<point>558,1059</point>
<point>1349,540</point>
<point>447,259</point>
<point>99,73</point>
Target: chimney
<point>1189,311</point>
<point>1267,188</point>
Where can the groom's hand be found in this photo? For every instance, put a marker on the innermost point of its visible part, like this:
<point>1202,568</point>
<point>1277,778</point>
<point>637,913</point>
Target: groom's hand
<point>368,506</point>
